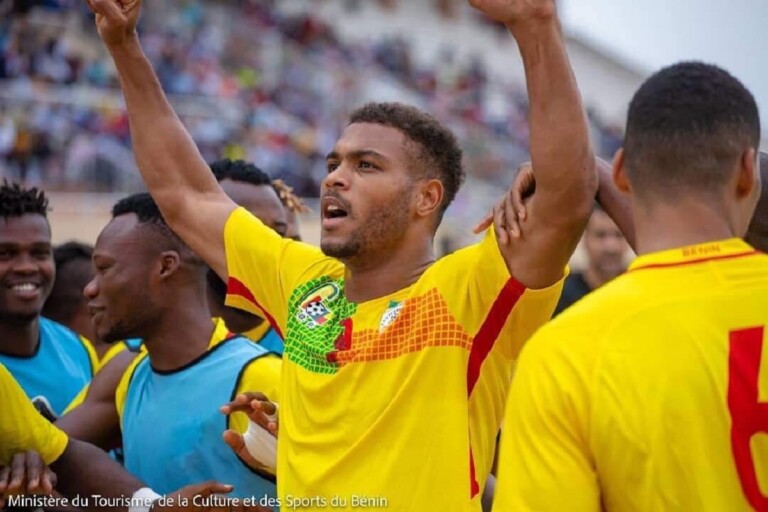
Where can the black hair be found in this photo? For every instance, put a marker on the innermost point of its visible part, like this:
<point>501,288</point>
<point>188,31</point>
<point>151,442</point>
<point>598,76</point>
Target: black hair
<point>146,210</point>
<point>438,153</point>
<point>16,201</point>
<point>239,170</point>
<point>67,293</point>
<point>687,126</point>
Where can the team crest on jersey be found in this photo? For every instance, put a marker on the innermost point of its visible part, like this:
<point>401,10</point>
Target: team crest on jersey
<point>314,308</point>
<point>390,314</point>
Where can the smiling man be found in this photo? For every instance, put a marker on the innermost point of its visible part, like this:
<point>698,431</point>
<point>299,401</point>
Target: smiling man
<point>396,365</point>
<point>51,363</point>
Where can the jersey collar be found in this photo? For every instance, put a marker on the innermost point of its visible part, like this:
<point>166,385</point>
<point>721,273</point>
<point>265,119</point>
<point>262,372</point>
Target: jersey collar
<point>692,254</point>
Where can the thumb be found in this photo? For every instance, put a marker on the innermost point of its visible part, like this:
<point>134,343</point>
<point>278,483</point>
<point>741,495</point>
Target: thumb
<point>208,488</point>
<point>234,440</point>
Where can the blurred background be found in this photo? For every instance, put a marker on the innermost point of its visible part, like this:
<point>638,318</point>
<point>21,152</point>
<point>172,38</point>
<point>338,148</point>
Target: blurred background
<point>273,81</point>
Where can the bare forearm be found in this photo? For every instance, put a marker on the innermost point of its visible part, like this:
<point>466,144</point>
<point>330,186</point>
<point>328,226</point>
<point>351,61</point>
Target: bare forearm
<point>615,204</point>
<point>84,470</point>
<point>561,152</point>
<point>165,153</point>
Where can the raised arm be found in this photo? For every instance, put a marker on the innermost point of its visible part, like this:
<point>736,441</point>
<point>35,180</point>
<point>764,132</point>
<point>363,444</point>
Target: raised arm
<point>561,152</point>
<point>175,173</point>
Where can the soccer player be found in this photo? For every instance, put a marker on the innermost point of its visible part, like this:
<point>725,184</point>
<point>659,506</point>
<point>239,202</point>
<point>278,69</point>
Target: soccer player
<point>150,285</point>
<point>81,469</point>
<point>50,362</point>
<point>649,394</point>
<point>396,365</point>
<point>606,251</point>
<point>253,189</point>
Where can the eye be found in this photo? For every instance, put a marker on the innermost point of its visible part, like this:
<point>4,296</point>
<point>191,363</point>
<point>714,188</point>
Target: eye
<point>41,254</point>
<point>332,166</point>
<point>366,165</point>
<point>5,253</point>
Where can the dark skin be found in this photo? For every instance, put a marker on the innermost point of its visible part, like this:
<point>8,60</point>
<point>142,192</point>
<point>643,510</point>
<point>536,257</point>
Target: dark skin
<point>747,182</point>
<point>80,322</point>
<point>25,257</point>
<point>372,169</point>
<point>130,264</point>
<point>26,474</point>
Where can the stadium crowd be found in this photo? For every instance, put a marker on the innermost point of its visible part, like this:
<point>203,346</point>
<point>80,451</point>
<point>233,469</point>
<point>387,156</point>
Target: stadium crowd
<point>200,356</point>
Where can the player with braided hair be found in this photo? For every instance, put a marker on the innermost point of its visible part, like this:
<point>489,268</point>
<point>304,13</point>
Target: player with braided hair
<point>293,207</point>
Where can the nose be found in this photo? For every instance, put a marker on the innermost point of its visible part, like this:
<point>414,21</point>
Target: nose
<point>91,289</point>
<point>25,264</point>
<point>338,178</point>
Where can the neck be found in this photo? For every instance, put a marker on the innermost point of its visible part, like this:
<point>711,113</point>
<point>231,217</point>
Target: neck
<point>392,272</point>
<point>668,226</point>
<point>19,339</point>
<point>179,337</point>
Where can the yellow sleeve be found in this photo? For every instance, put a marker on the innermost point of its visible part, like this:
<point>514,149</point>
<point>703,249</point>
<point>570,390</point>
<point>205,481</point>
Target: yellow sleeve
<point>22,428</point>
<point>264,268</point>
<point>262,375</point>
<point>121,392</point>
<point>92,355</point>
<point>78,400</point>
<point>545,461</point>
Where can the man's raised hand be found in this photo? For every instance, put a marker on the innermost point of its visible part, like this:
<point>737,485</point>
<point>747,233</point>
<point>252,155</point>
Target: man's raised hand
<point>116,19</point>
<point>511,12</point>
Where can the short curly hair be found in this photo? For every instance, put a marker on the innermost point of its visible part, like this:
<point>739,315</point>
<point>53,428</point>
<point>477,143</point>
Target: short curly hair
<point>239,170</point>
<point>16,201</point>
<point>686,126</point>
<point>439,155</point>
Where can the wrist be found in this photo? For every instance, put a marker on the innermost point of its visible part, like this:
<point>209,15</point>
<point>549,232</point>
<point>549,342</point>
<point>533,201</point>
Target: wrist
<point>129,45</point>
<point>534,26</point>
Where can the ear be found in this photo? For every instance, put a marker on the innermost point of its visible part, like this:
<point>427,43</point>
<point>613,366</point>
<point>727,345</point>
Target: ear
<point>748,178</point>
<point>170,261</point>
<point>430,197</point>
<point>618,172</point>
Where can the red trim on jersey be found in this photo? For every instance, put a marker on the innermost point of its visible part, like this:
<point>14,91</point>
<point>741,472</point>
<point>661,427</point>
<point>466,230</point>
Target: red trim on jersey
<point>474,486</point>
<point>482,344</point>
<point>489,331</point>
<point>693,262</point>
<point>236,287</point>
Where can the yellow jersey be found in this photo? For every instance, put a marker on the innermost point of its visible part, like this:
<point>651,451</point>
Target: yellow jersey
<point>22,428</point>
<point>395,402</point>
<point>651,393</point>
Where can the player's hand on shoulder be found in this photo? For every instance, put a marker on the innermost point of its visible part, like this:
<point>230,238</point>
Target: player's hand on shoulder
<point>515,11</point>
<point>116,19</point>
<point>27,474</point>
<point>258,407</point>
<point>510,211</point>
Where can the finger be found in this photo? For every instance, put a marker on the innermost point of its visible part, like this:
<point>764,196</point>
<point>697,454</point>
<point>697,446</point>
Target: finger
<point>243,400</point>
<point>48,481</point>
<point>5,475</point>
<point>108,8</point>
<point>511,218</point>
<point>235,440</point>
<point>518,189</point>
<point>17,474</point>
<point>498,223</point>
<point>272,427</point>
<point>209,488</point>
<point>267,408</point>
<point>34,467</point>
<point>483,224</point>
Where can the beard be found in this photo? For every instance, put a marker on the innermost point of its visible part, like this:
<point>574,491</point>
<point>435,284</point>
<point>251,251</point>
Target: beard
<point>383,228</point>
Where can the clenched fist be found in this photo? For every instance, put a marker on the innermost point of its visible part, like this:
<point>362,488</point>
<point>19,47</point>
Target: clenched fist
<point>116,19</point>
<point>511,12</point>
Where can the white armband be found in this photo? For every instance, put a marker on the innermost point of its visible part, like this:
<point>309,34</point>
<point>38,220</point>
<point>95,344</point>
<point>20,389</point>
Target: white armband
<point>142,500</point>
<point>261,445</point>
